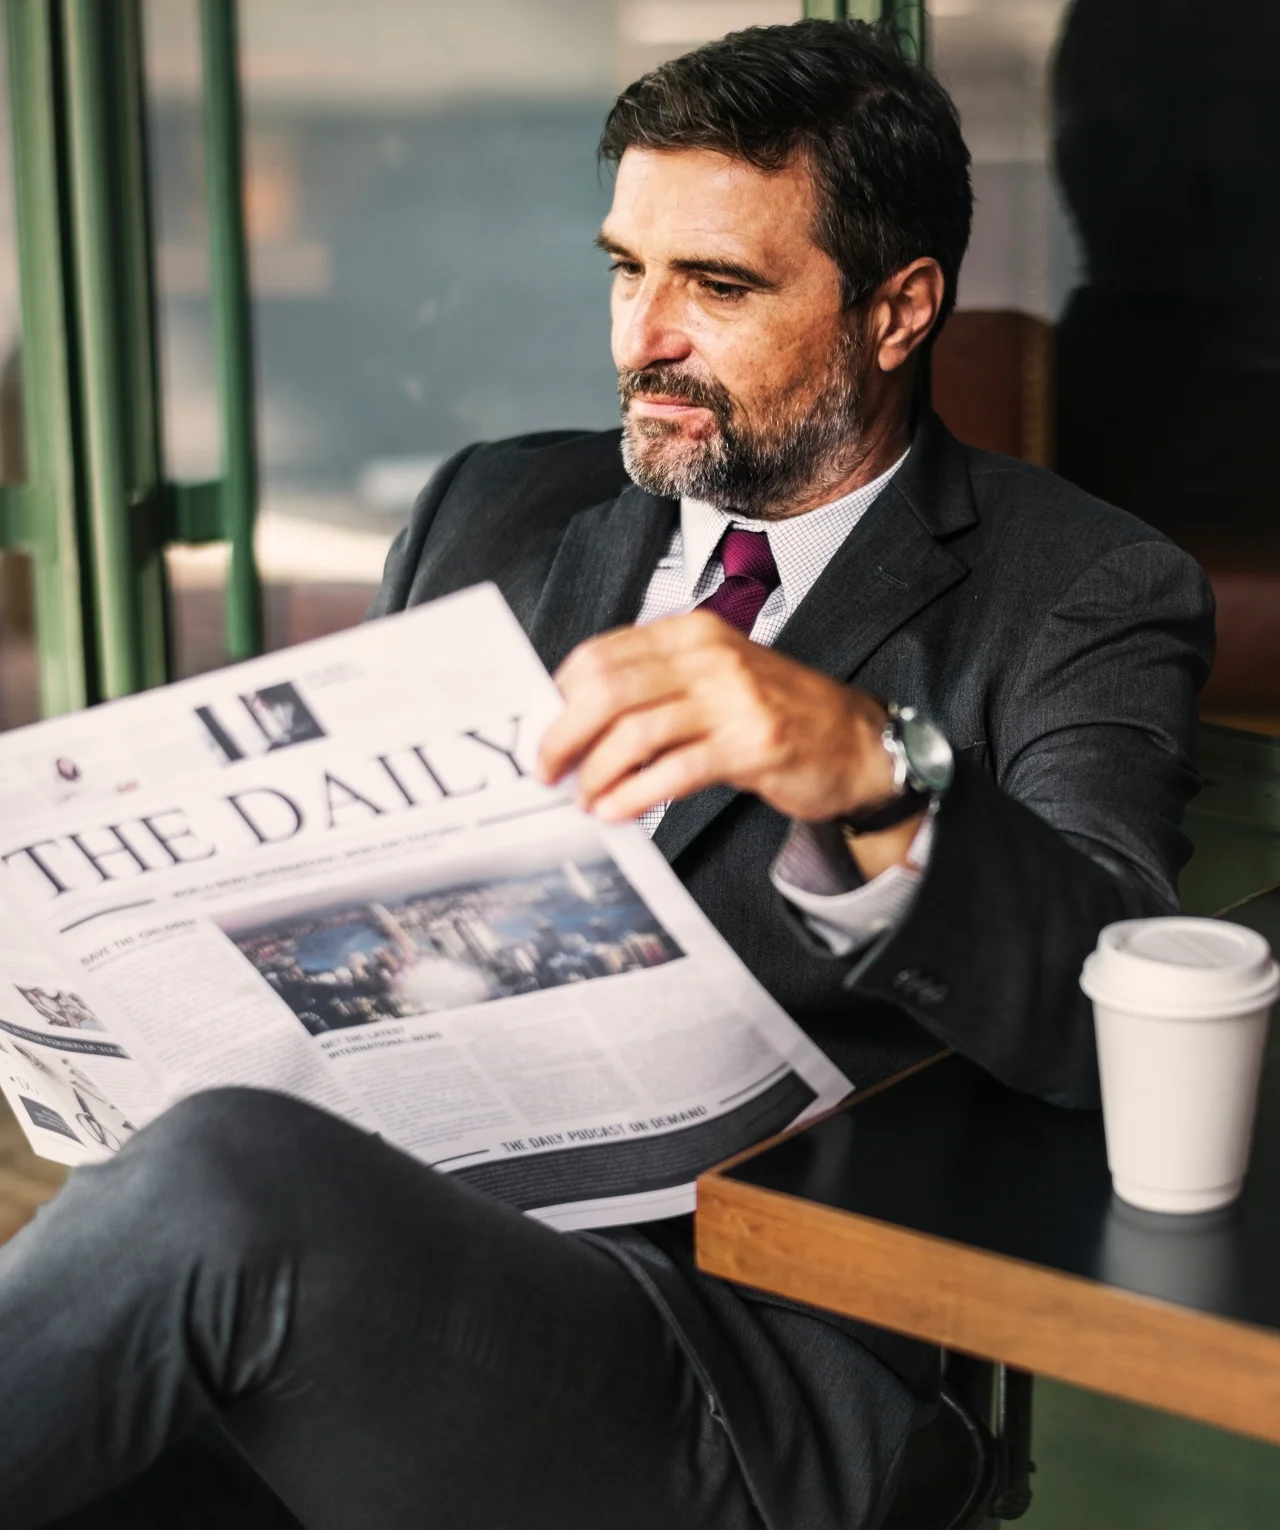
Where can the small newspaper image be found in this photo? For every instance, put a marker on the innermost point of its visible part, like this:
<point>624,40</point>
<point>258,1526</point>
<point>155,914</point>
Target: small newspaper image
<point>332,872</point>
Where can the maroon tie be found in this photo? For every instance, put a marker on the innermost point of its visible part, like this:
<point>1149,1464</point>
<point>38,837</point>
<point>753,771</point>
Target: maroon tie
<point>750,577</point>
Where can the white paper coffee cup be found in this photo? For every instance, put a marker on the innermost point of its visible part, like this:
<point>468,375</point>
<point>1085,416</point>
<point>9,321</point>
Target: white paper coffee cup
<point>1180,1007</point>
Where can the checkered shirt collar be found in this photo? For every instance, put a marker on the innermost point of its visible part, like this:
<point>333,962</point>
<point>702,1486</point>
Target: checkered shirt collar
<point>802,545</point>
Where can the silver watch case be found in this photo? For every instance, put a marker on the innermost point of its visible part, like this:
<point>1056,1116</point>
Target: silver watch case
<point>923,761</point>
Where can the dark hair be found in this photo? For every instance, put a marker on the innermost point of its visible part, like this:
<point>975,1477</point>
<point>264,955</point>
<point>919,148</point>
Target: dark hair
<point>880,134</point>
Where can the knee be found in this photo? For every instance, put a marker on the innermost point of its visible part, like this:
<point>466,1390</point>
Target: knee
<point>217,1166</point>
<point>222,1127</point>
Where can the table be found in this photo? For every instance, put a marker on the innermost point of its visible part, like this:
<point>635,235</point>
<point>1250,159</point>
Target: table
<point>945,1206</point>
<point>26,1181</point>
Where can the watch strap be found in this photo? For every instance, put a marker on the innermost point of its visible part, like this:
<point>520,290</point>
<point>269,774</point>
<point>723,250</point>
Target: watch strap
<point>886,815</point>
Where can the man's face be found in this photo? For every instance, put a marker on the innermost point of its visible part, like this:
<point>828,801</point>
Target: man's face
<point>737,361</point>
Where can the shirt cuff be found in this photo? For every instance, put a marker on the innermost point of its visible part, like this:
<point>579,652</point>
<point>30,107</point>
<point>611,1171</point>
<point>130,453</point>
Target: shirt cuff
<point>816,873</point>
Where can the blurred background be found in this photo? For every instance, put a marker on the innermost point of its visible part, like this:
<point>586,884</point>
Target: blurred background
<point>421,193</point>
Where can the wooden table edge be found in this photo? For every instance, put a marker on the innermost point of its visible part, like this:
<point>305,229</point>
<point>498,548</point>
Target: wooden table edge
<point>1138,1348</point>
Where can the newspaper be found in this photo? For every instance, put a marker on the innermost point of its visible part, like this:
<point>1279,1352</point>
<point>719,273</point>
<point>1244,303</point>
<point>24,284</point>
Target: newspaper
<point>332,872</point>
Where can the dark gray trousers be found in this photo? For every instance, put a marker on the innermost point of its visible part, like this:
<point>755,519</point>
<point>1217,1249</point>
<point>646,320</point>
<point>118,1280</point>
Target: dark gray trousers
<point>251,1279</point>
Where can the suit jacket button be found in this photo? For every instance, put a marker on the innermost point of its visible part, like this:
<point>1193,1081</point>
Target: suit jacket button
<point>908,981</point>
<point>921,987</point>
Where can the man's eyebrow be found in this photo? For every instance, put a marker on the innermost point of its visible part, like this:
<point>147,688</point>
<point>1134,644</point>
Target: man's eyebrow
<point>730,269</point>
<point>727,268</point>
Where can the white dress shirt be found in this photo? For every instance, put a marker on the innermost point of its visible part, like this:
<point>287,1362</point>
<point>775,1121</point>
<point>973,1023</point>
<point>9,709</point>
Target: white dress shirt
<point>846,917</point>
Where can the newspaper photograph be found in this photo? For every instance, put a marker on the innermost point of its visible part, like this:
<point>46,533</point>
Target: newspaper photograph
<point>73,1086</point>
<point>332,872</point>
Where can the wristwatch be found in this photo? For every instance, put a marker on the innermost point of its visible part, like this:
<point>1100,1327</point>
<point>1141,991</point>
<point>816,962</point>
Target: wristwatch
<point>923,766</point>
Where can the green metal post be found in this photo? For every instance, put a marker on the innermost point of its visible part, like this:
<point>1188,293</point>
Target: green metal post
<point>845,10</point>
<point>118,389</point>
<point>907,16</point>
<point>43,517</point>
<point>233,345</point>
<point>910,19</point>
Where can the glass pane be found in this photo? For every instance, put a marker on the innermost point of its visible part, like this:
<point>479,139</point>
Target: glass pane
<point>19,692</point>
<point>190,410</point>
<point>992,367</point>
<point>1126,156</point>
<point>422,195</point>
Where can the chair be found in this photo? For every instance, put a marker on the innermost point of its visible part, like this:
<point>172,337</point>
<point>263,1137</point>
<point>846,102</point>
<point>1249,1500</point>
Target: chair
<point>961,1472</point>
<point>1234,824</point>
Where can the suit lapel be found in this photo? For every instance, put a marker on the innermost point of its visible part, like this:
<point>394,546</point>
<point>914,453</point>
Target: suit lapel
<point>889,567</point>
<point>601,571</point>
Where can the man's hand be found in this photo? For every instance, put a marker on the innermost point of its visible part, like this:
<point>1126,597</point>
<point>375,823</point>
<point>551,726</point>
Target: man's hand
<point>659,712</point>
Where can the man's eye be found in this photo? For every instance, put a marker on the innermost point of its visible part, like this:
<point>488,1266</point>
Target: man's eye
<point>625,267</point>
<point>728,290</point>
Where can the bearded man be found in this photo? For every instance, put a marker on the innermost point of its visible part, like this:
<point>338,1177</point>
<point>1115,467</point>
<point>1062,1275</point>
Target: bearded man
<point>910,721</point>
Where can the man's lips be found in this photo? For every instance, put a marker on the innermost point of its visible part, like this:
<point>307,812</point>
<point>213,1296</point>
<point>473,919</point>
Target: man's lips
<point>662,407</point>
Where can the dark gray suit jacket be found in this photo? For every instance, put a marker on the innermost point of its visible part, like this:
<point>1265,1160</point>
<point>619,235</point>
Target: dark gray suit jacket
<point>1057,641</point>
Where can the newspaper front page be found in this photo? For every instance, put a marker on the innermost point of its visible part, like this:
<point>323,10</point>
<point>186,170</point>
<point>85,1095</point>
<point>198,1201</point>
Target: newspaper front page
<point>331,872</point>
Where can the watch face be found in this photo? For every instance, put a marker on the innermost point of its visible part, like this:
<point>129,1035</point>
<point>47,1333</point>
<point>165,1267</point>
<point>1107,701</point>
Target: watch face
<point>928,752</point>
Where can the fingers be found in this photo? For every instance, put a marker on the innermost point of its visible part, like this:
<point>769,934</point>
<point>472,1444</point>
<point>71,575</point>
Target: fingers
<point>658,712</point>
<point>667,637</point>
<point>678,773</point>
<point>596,697</point>
<point>627,670</point>
<point>633,742</point>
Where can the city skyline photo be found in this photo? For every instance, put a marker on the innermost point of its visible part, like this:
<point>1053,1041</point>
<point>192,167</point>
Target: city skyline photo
<point>531,917</point>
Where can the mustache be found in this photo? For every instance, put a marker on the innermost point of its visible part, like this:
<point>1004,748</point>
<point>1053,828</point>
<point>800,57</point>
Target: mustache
<point>702,392</point>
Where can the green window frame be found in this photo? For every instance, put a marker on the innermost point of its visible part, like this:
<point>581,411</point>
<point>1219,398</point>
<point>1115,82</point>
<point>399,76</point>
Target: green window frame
<point>96,512</point>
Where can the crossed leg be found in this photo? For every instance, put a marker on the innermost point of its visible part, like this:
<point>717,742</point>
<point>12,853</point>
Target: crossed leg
<point>389,1349</point>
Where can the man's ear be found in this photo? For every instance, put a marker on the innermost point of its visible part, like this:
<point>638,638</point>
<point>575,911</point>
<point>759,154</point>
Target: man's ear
<point>904,310</point>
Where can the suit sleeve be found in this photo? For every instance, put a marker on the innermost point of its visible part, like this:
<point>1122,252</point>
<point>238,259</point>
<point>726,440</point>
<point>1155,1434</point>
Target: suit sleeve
<point>405,552</point>
<point>1071,823</point>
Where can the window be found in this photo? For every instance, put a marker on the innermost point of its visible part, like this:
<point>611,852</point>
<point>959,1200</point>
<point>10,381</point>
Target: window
<point>422,196</point>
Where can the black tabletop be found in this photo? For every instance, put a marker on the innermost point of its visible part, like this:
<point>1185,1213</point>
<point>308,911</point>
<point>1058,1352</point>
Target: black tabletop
<point>951,1153</point>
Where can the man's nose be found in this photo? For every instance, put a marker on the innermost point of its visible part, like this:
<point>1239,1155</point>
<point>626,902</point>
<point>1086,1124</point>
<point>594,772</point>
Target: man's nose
<point>647,329</point>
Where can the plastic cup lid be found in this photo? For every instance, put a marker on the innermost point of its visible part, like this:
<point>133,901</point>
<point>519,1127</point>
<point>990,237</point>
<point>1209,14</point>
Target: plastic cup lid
<point>1181,967</point>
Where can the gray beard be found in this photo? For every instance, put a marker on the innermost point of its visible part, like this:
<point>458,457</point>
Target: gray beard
<point>762,471</point>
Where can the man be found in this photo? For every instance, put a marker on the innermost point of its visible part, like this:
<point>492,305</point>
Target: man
<point>391,1350</point>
